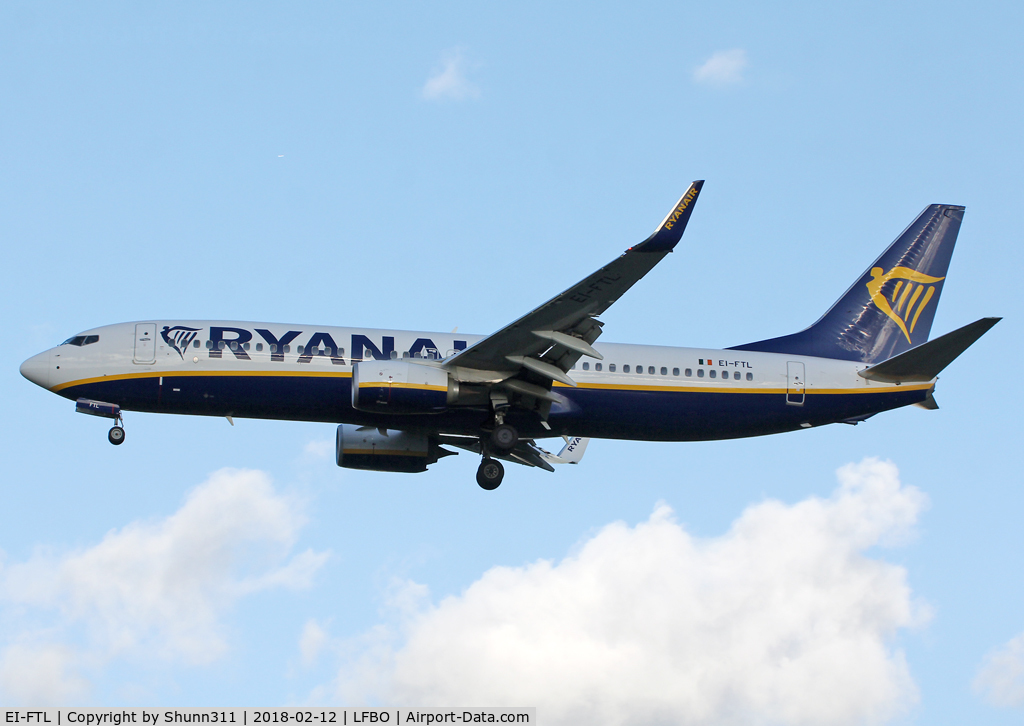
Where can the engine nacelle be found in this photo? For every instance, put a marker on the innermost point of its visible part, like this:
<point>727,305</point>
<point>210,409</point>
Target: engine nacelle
<point>395,386</point>
<point>366,448</point>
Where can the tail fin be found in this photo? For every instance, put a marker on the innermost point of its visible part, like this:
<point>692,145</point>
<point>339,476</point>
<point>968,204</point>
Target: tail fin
<point>890,308</point>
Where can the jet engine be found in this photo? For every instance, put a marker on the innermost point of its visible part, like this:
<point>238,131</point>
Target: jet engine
<point>368,448</point>
<point>394,386</point>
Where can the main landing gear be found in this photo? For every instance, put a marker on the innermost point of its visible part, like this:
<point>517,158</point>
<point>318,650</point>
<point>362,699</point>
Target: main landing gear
<point>490,474</point>
<point>502,440</point>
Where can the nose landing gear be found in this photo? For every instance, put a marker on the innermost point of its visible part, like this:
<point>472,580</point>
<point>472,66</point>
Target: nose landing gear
<point>104,410</point>
<point>116,435</point>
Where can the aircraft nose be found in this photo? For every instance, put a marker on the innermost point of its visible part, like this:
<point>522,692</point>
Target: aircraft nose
<point>37,369</point>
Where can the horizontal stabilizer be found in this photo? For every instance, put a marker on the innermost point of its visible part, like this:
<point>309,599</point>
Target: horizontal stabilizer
<point>927,360</point>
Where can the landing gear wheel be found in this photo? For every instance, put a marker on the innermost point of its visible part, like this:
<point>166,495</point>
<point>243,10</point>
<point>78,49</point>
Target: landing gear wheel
<point>504,438</point>
<point>116,436</point>
<point>490,474</point>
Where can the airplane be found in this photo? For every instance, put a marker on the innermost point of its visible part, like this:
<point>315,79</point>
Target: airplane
<point>400,397</point>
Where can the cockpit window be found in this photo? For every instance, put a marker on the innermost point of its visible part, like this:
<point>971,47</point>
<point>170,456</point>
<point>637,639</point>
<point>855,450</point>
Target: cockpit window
<point>80,340</point>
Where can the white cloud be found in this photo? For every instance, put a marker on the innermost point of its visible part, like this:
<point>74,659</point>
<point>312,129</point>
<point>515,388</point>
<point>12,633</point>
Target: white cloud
<point>722,68</point>
<point>449,80</point>
<point>319,449</point>
<point>1001,677</point>
<point>783,619</point>
<point>158,587</point>
<point>312,641</point>
<point>40,676</point>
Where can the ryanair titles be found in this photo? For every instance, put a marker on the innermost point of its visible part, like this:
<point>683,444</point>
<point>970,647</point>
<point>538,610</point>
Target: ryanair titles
<point>239,342</point>
<point>681,207</point>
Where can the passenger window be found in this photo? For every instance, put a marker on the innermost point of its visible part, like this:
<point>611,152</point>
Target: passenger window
<point>750,376</point>
<point>341,352</point>
<point>625,369</point>
<point>736,376</point>
<point>195,343</point>
<point>664,371</point>
<point>288,349</point>
<point>209,344</point>
<point>394,355</point>
<point>405,355</point>
<point>689,372</point>
<point>273,347</point>
<point>712,373</point>
<point>259,347</point>
<point>675,371</point>
<point>640,370</point>
<point>611,367</point>
<point>301,349</point>
<point>597,366</point>
<point>586,366</point>
<point>725,375</point>
<point>700,373</point>
<point>220,345</point>
<point>245,345</point>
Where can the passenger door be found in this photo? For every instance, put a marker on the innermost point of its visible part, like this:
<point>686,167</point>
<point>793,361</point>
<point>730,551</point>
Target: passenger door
<point>794,383</point>
<point>145,344</point>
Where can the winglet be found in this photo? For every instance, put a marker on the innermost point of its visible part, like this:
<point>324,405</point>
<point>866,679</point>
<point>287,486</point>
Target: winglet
<point>571,453</point>
<point>669,232</point>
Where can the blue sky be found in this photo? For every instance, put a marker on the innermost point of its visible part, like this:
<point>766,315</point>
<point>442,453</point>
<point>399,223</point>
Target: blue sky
<point>456,165</point>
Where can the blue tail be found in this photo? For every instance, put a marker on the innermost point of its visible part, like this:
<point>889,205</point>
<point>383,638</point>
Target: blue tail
<point>890,308</point>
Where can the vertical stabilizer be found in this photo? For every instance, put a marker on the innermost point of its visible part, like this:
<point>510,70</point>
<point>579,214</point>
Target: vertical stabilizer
<point>891,306</point>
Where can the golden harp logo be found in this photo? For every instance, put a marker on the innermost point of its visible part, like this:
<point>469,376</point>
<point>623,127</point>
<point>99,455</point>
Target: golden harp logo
<point>909,297</point>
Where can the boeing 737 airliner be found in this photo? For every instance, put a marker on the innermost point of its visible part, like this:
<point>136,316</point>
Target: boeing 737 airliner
<point>400,397</point>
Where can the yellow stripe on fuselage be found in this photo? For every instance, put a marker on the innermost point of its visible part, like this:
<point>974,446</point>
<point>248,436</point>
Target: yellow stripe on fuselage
<point>221,374</point>
<point>810,390</point>
<point>745,389</point>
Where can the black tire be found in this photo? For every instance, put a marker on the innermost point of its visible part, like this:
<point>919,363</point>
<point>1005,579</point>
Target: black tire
<point>490,474</point>
<point>116,436</point>
<point>504,438</point>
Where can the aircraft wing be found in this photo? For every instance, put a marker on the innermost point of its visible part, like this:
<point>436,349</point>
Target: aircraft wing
<point>549,340</point>
<point>526,451</point>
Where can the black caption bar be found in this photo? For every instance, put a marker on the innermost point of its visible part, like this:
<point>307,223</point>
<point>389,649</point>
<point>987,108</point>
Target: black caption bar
<point>264,716</point>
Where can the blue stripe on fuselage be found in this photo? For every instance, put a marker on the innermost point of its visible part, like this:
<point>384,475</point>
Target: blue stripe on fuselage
<point>650,415</point>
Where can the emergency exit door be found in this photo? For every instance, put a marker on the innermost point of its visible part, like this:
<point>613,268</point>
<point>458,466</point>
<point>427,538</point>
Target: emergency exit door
<point>145,343</point>
<point>794,383</point>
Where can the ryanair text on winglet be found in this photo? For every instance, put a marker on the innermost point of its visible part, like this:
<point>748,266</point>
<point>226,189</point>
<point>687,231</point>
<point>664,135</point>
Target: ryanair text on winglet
<point>681,207</point>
